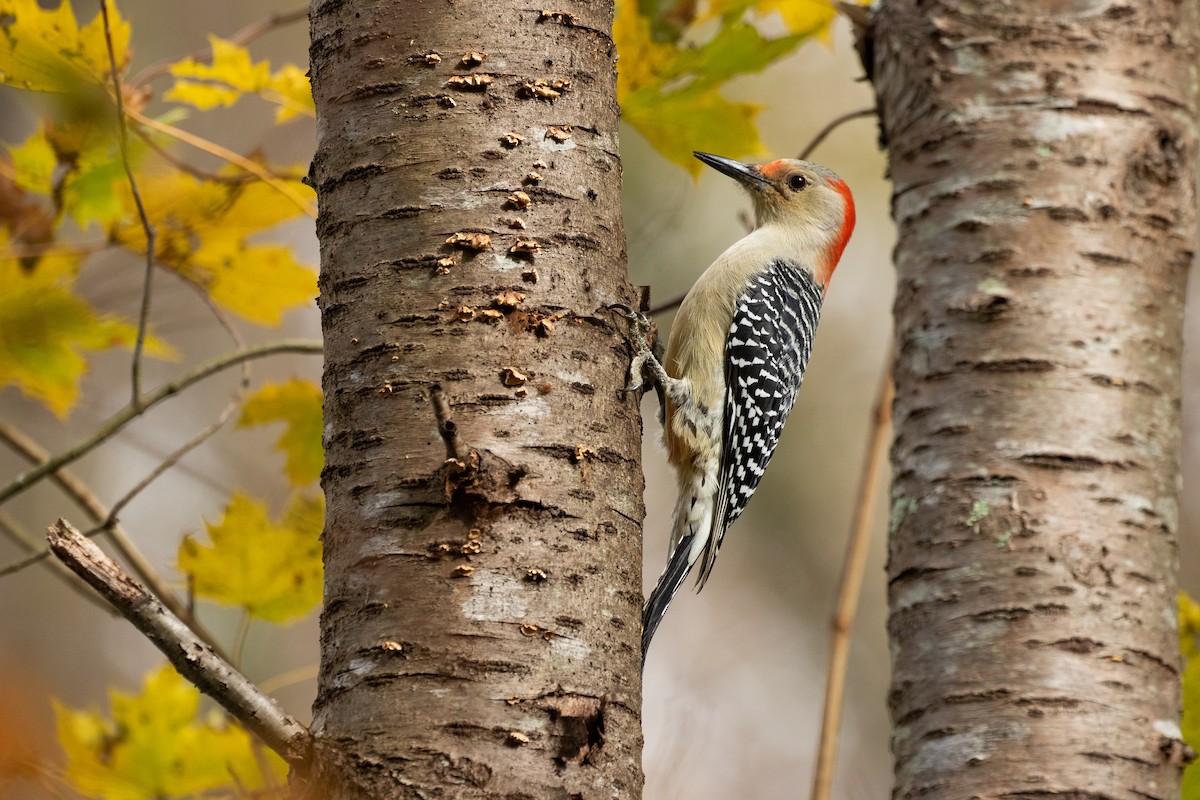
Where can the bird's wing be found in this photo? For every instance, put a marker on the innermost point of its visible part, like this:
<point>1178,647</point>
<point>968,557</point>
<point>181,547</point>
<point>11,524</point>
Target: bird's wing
<point>770,340</point>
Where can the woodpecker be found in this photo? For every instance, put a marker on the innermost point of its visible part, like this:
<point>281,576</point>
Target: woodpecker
<point>736,356</point>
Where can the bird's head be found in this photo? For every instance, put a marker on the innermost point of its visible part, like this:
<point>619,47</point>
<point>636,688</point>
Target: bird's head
<point>803,201</point>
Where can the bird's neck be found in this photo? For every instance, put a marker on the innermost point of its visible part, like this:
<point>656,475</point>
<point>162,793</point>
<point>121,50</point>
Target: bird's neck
<point>813,248</point>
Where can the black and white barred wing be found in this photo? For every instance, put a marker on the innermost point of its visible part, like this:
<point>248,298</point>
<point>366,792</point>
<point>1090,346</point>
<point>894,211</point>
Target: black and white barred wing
<point>770,340</point>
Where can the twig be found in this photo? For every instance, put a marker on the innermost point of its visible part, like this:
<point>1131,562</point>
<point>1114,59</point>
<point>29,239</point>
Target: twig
<point>243,36</point>
<point>212,148</point>
<point>183,166</point>
<point>852,572</point>
<point>194,659</point>
<point>239,639</point>
<point>117,421</point>
<point>833,125</point>
<point>447,427</point>
<point>15,252</point>
<point>144,313</point>
<point>667,306</point>
<point>289,678</point>
<point>172,459</point>
<point>105,521</point>
<point>30,544</point>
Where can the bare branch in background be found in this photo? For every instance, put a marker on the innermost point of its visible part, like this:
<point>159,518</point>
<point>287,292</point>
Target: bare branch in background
<point>842,623</point>
<point>194,659</point>
<point>242,37</point>
<point>126,415</point>
<point>105,520</point>
<point>147,279</point>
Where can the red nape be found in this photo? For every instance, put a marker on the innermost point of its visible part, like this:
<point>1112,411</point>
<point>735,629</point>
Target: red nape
<point>843,235</point>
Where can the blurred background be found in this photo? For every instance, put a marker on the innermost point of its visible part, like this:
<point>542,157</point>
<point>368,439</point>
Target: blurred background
<point>735,680</point>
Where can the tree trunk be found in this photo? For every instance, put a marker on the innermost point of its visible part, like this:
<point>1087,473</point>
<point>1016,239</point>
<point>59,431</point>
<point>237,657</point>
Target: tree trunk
<point>1044,164</point>
<point>482,546</point>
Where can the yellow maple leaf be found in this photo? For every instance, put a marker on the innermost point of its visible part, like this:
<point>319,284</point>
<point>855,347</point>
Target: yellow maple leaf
<point>1189,626</point>
<point>805,17</point>
<point>297,403</point>
<point>202,230</point>
<point>289,87</point>
<point>156,744</point>
<point>270,569</point>
<point>45,328</point>
<point>231,73</point>
<point>45,50</point>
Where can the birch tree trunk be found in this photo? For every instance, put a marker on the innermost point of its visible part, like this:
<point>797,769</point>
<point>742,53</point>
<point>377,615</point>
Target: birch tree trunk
<point>482,547</point>
<point>1044,165</point>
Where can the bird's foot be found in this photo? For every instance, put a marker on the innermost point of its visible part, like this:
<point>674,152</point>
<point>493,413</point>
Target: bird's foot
<point>641,330</point>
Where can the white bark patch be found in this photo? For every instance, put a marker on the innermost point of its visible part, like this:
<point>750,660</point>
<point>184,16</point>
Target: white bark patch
<point>1054,126</point>
<point>568,648</point>
<point>495,597</point>
<point>451,196</point>
<point>502,263</point>
<point>374,506</point>
<point>1168,728</point>
<point>531,407</point>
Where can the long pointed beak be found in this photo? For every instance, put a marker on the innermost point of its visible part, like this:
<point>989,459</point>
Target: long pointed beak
<point>746,174</point>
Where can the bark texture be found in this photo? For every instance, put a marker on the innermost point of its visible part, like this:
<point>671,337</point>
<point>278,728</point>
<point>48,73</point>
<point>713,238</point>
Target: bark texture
<point>1044,165</point>
<point>482,544</point>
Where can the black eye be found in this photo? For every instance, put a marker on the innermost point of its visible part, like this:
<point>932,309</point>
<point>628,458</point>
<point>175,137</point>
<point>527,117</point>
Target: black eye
<point>797,182</point>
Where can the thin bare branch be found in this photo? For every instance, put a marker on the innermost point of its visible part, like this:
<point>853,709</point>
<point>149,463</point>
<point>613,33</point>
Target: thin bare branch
<point>172,459</point>
<point>31,544</point>
<point>117,421</point>
<point>16,252</point>
<point>194,659</point>
<point>833,125</point>
<point>105,522</point>
<point>666,306</point>
<point>842,622</point>
<point>212,148</point>
<point>243,36</point>
<point>147,278</point>
<point>200,438</point>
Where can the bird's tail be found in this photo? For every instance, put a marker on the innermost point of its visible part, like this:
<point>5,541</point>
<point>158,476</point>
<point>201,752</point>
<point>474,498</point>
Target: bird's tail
<point>690,531</point>
<point>668,584</point>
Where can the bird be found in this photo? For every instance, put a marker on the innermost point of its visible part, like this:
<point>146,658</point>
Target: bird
<point>736,356</point>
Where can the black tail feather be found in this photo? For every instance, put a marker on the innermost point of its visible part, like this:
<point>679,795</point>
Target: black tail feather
<point>668,584</point>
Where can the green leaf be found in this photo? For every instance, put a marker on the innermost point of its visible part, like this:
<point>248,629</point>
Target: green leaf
<point>1189,629</point>
<point>297,404</point>
<point>686,120</point>
<point>1189,626</point>
<point>737,49</point>
<point>45,328</point>
<point>272,570</point>
<point>670,91</point>
<point>77,165</point>
<point>156,745</point>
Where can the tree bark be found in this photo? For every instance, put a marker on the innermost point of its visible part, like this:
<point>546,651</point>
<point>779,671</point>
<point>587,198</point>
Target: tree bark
<point>1044,166</point>
<point>482,544</point>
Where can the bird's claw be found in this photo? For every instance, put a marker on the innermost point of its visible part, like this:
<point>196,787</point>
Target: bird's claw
<point>640,328</point>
